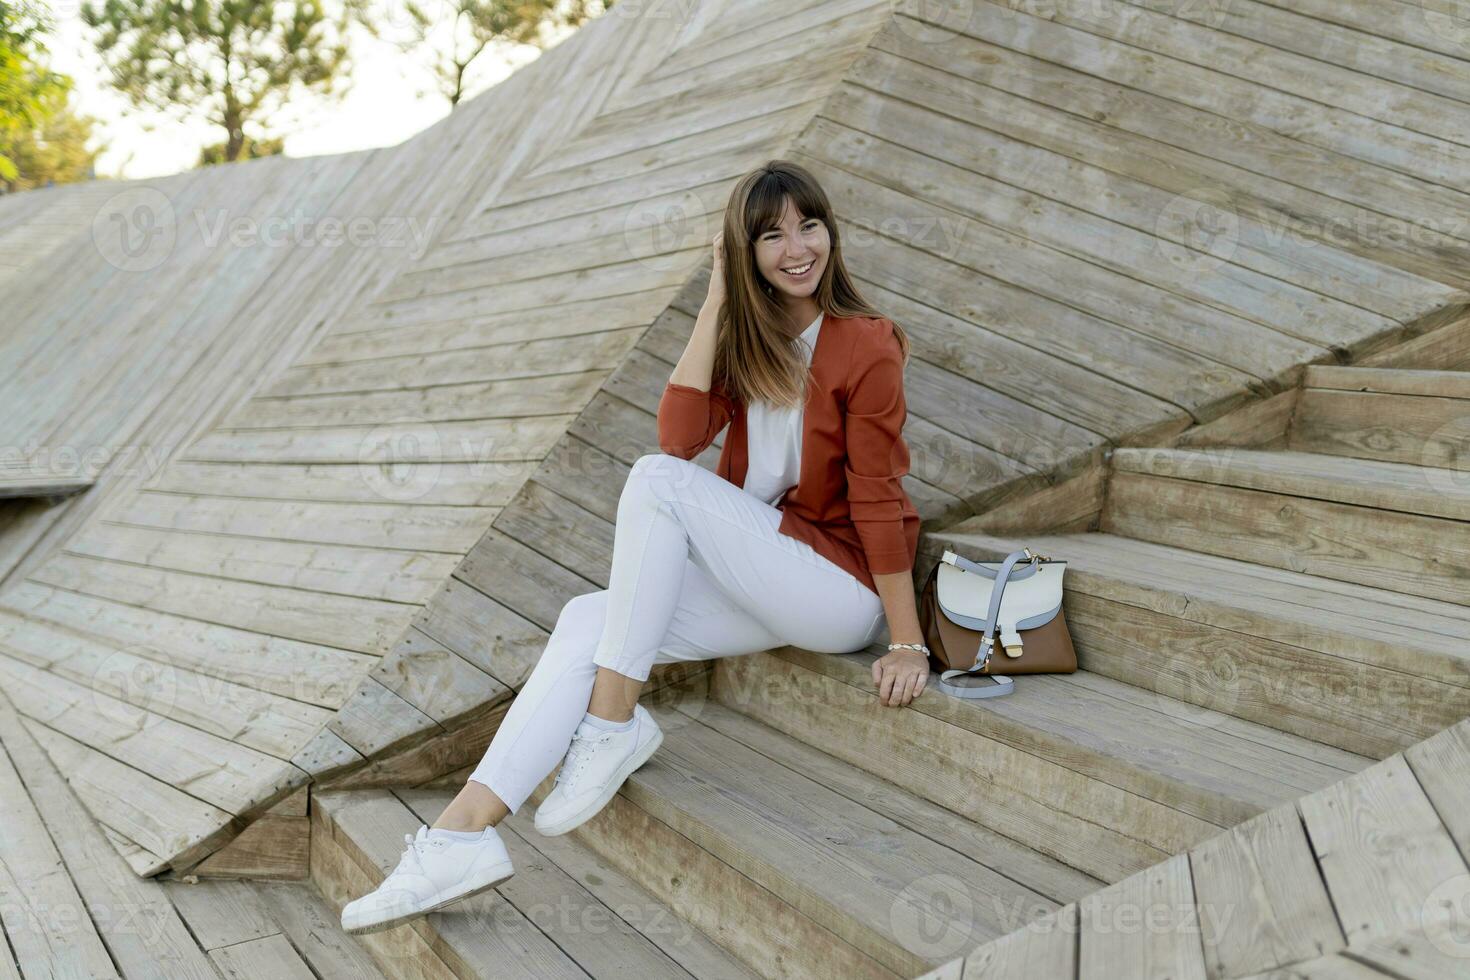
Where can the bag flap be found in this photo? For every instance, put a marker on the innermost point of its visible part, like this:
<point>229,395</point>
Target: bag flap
<point>1029,600</point>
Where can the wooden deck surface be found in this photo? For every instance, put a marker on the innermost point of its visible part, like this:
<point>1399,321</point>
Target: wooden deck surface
<point>1366,878</point>
<point>370,476</point>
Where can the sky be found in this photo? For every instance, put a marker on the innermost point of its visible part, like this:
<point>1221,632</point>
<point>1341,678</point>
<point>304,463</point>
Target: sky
<point>389,96</point>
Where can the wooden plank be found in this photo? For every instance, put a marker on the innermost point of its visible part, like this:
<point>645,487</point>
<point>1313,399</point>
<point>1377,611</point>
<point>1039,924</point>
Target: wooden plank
<point>1043,163</point>
<point>1418,431</point>
<point>1438,950</point>
<point>1146,132</point>
<point>347,622</point>
<point>1236,316</point>
<point>1444,349</point>
<point>372,828</point>
<point>143,933</point>
<point>728,906</point>
<point>982,778</point>
<point>393,517</point>
<point>1262,903</point>
<point>1390,381</point>
<point>1383,852</point>
<point>44,477</point>
<point>314,674</point>
<point>1345,541</point>
<point>341,880</point>
<point>271,848</point>
<point>483,484</point>
<point>1364,73</point>
<point>268,723</point>
<point>364,341</point>
<point>554,902</point>
<point>1047,876</point>
<point>1384,486</point>
<point>1364,669</point>
<point>1441,763</point>
<point>436,680</point>
<point>1200,68</point>
<point>818,851</point>
<point>315,929</point>
<point>272,956</point>
<point>391,574</point>
<point>454,441</point>
<point>555,393</point>
<point>538,590</point>
<point>1145,926</point>
<point>1262,425</point>
<point>375,718</point>
<point>660,922</point>
<point>222,913</point>
<point>211,769</point>
<point>49,928</point>
<point>1046,947</point>
<point>1071,505</point>
<point>502,643</point>
<point>172,826</point>
<point>1185,379</point>
<point>1161,775</point>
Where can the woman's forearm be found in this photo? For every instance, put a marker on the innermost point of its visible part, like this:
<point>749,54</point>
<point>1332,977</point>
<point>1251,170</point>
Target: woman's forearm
<point>896,589</point>
<point>696,365</point>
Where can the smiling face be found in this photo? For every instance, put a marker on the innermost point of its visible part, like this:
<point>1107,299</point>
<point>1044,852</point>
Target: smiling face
<point>792,256</point>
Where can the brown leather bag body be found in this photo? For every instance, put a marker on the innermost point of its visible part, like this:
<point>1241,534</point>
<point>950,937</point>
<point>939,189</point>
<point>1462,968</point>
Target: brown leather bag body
<point>965,607</point>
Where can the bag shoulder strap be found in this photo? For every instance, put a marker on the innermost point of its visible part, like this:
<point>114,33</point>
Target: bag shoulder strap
<point>1003,685</point>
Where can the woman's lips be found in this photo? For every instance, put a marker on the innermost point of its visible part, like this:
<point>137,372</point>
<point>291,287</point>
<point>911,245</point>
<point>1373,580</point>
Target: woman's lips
<point>804,276</point>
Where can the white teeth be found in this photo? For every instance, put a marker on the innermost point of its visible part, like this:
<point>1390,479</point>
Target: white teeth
<point>799,269</point>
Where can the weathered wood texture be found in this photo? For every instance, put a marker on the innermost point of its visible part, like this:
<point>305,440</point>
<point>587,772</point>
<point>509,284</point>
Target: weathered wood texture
<point>374,473</point>
<point>1362,878</point>
<point>73,906</point>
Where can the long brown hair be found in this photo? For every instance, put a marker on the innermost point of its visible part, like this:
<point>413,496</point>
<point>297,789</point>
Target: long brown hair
<point>756,354</point>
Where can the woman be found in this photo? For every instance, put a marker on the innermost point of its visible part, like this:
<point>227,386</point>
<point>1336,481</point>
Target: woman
<point>719,564</point>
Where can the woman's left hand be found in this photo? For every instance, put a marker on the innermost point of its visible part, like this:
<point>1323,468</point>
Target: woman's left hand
<point>900,675</point>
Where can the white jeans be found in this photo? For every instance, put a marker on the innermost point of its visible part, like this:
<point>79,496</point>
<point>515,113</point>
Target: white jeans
<point>699,570</point>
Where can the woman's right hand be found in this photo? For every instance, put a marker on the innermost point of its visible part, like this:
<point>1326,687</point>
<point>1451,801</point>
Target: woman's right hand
<point>716,293</point>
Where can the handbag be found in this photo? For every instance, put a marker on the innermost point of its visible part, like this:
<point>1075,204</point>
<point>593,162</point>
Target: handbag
<point>964,605</point>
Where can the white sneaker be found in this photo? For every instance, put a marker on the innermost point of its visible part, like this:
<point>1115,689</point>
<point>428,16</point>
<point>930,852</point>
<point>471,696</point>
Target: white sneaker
<point>596,764</point>
<point>432,873</point>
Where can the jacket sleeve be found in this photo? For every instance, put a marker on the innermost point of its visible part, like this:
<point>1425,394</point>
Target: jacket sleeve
<point>689,418</point>
<point>877,456</point>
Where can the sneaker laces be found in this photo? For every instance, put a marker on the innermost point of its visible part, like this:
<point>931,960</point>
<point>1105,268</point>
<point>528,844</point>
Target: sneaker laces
<point>581,750</point>
<point>413,855</point>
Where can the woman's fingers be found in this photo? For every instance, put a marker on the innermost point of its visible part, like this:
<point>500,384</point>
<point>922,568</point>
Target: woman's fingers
<point>895,683</point>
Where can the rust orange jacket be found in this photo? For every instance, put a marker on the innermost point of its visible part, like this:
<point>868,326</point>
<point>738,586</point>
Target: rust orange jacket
<point>848,503</point>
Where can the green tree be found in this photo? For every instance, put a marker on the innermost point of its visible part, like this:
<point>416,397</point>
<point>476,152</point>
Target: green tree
<point>30,93</point>
<point>56,153</point>
<point>237,61</point>
<point>456,32</point>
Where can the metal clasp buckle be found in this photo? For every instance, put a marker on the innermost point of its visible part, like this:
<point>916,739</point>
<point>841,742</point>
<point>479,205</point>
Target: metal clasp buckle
<point>982,658</point>
<point>1034,558</point>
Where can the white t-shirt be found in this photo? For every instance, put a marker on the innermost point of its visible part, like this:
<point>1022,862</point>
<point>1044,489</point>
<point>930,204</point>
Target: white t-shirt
<point>773,437</point>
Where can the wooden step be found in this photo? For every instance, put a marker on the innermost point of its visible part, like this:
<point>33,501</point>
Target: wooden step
<point>1399,416</point>
<point>1388,525</point>
<point>565,912</point>
<point>1367,670</point>
<point>806,865</point>
<point>73,907</point>
<point>1102,775</point>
